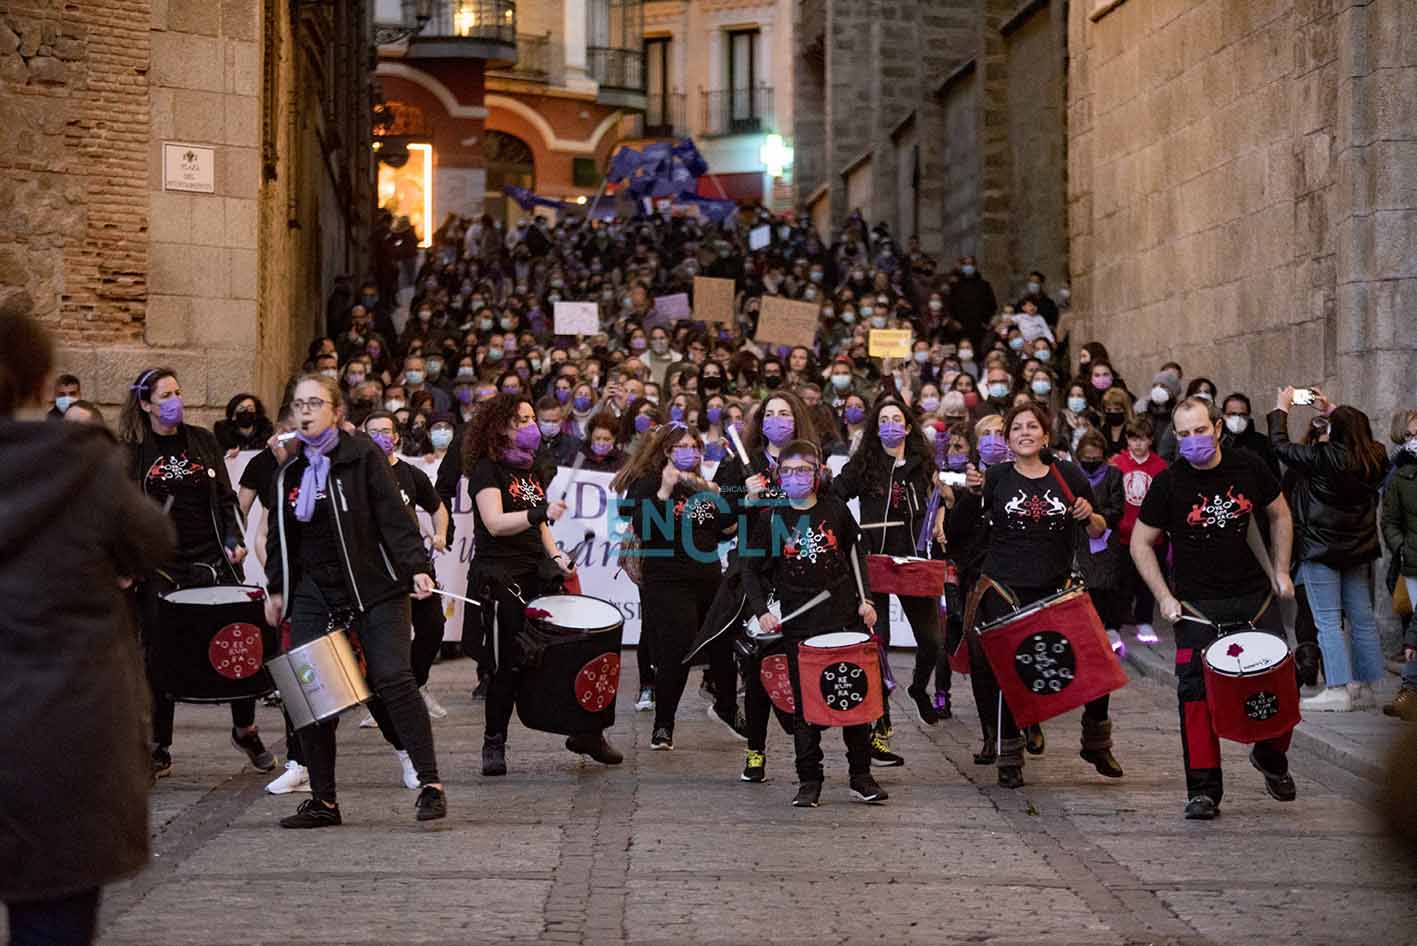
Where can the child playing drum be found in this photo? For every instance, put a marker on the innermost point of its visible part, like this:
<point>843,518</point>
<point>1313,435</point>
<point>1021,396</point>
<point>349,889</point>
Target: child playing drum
<point>801,548</point>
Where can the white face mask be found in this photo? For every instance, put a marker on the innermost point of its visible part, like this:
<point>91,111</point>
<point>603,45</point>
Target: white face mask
<point>1159,395</point>
<point>1411,445</point>
<point>1077,405</point>
<point>1236,423</point>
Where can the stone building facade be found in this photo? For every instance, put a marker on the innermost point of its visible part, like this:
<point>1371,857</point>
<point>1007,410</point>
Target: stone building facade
<point>223,284</point>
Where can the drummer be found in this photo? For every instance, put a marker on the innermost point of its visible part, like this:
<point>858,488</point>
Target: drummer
<point>340,546</point>
<point>514,544</point>
<point>822,538</point>
<point>1204,502</point>
<point>184,468</point>
<point>1031,544</point>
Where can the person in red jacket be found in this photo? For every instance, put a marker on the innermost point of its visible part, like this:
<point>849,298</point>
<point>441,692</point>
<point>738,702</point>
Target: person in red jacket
<point>1139,466</point>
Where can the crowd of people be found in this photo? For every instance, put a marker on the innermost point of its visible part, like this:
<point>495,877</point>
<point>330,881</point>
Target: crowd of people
<point>1001,445</point>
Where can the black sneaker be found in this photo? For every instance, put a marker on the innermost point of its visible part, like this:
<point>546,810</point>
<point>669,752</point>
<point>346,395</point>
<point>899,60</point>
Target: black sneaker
<point>494,756</point>
<point>733,723</point>
<point>596,746</point>
<point>1010,776</point>
<point>755,768</point>
<point>255,749</point>
<point>1280,787</point>
<point>432,804</point>
<point>313,814</point>
<point>272,700</point>
<point>864,788</point>
<point>162,762</point>
<point>881,754</point>
<point>1201,808</point>
<point>809,795</point>
<point>1103,761</point>
<point>989,753</point>
<point>479,692</point>
<point>924,708</point>
<point>662,740</point>
<point>1033,740</point>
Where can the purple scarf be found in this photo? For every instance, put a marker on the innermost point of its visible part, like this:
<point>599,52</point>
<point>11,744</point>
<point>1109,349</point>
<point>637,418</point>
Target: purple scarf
<point>317,470</point>
<point>517,457</point>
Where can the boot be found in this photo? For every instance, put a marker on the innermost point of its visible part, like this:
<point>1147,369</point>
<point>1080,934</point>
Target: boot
<point>1403,706</point>
<point>1097,747</point>
<point>1306,664</point>
<point>990,752</point>
<point>494,755</point>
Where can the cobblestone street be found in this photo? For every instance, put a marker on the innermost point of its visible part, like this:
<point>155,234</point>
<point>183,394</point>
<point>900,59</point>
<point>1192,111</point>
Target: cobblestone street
<point>672,848</point>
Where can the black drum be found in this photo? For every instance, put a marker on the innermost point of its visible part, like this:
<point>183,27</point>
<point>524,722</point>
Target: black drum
<point>571,644</point>
<point>211,644</point>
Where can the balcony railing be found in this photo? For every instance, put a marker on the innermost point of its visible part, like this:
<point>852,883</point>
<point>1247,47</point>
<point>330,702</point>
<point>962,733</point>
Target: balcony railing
<point>738,111</point>
<point>616,68</point>
<point>664,115</point>
<point>493,20</point>
<point>534,59</point>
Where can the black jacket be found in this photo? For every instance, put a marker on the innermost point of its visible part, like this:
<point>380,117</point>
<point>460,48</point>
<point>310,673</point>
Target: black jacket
<point>1400,515</point>
<point>1335,507</point>
<point>230,436</point>
<point>972,302</point>
<point>381,547</point>
<point>203,443</point>
<point>1104,570</point>
<point>874,495</point>
<point>73,695</point>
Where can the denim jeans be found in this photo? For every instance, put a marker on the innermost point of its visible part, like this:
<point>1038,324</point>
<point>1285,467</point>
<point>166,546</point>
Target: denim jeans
<point>1332,594</point>
<point>60,921</point>
<point>1409,669</point>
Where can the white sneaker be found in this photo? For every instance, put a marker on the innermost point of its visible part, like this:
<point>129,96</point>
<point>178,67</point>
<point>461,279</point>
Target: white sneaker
<point>435,709</point>
<point>367,722</point>
<point>1331,700</point>
<point>1146,634</point>
<point>1363,696</point>
<point>293,779</point>
<point>1118,646</point>
<point>410,774</point>
<point>645,701</point>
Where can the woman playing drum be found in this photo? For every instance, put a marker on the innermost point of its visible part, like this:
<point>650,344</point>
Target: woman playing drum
<point>513,541</point>
<point>183,467</point>
<point>341,547</point>
<point>1031,545</point>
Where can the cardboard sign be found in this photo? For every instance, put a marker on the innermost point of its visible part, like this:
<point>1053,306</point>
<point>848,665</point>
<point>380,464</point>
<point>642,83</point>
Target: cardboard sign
<point>889,343</point>
<point>759,237</point>
<point>576,318</point>
<point>713,299</point>
<point>787,321</point>
<point>673,307</point>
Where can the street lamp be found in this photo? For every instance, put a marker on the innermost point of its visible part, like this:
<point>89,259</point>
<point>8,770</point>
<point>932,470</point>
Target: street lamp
<point>775,155</point>
<point>387,33</point>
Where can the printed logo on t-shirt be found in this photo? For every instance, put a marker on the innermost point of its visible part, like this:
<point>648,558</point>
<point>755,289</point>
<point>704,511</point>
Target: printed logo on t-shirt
<point>526,491</point>
<point>1030,510</point>
<point>1219,512</point>
<point>697,509</point>
<point>897,495</point>
<point>807,545</point>
<point>294,495</point>
<point>1135,485</point>
<point>170,470</point>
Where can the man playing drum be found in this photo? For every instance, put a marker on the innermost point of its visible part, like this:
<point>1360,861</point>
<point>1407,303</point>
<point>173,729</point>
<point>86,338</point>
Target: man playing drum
<point>1205,503</point>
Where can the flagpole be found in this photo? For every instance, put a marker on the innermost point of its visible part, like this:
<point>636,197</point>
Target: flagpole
<point>604,183</point>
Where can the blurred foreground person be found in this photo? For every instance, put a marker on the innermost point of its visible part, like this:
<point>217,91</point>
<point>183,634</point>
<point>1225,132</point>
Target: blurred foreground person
<point>73,695</point>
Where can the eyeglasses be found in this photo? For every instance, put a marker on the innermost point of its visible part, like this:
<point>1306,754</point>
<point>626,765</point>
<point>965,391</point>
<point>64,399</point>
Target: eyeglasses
<point>783,470</point>
<point>314,404</point>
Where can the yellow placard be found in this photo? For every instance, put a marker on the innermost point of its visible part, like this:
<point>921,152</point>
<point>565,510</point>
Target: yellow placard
<point>889,343</point>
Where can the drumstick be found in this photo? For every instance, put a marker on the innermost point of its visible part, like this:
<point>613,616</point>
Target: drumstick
<point>1187,617</point>
<point>879,525</point>
<point>449,594</point>
<point>820,597</point>
<point>575,469</point>
<point>738,445</point>
<point>860,585</point>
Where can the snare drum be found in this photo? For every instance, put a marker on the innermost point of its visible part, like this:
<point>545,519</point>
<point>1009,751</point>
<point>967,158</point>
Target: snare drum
<point>906,576</point>
<point>1051,656</point>
<point>211,644</point>
<point>319,680</point>
<point>1250,686</point>
<point>571,688</point>
<point>840,675</point>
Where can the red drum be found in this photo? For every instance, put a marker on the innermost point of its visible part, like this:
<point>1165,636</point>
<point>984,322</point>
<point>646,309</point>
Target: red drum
<point>841,679</point>
<point>211,644</point>
<point>1250,686</point>
<point>907,576</point>
<point>1051,657</point>
<point>776,680</point>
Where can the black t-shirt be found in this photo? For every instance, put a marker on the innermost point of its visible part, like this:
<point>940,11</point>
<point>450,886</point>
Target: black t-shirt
<point>521,490</point>
<point>320,555</point>
<point>660,526</point>
<point>1031,527</point>
<point>416,490</point>
<point>178,474</point>
<point>260,475</point>
<point>1207,515</point>
<point>799,553</point>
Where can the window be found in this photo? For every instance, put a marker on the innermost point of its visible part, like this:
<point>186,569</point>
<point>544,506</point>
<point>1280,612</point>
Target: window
<point>742,79</point>
<point>657,83</point>
<point>584,173</point>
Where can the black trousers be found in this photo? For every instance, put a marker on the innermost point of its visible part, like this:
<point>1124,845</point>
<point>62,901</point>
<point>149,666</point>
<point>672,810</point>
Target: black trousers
<point>954,638</point>
<point>383,636</point>
<point>923,614</point>
<point>758,708</point>
<point>56,921</point>
<point>993,708</point>
<point>673,607</point>
<point>1200,747</point>
<point>807,737</point>
<point>427,635</point>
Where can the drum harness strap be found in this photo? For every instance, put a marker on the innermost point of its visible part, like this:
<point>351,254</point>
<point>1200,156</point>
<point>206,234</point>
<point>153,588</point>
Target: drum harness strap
<point>1194,615</point>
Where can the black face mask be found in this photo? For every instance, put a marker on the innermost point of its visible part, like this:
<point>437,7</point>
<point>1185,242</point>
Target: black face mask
<point>772,380</point>
<point>710,383</point>
<point>1115,417</point>
<point>1091,466</point>
<point>244,419</point>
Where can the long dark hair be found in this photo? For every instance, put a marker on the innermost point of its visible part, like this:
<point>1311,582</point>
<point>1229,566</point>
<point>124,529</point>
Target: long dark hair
<point>871,462</point>
<point>803,427</point>
<point>486,434</point>
<point>1350,428</point>
<point>653,454</point>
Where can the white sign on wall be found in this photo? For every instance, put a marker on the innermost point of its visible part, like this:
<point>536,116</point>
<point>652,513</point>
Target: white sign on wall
<point>188,168</point>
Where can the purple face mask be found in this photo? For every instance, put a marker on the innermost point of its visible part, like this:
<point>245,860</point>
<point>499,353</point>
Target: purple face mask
<point>1198,449</point>
<point>643,423</point>
<point>715,414</point>
<point>601,447</point>
<point>779,430</point>
<point>563,395</point>
<point>385,442</point>
<point>676,414</point>
<point>957,462</point>
<point>169,412</point>
<point>685,458</point>
<point>892,434</point>
<point>993,448</point>
<point>528,438</point>
<point>797,484</point>
<point>854,415</point>
<point>464,395</point>
<point>582,403</point>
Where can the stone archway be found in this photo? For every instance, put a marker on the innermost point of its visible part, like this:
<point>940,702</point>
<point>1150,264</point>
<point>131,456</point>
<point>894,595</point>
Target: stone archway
<point>509,162</point>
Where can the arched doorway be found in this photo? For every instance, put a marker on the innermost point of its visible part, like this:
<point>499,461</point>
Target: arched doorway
<point>509,162</point>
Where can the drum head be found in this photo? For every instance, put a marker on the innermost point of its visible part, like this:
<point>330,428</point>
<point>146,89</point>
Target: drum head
<point>837,639</point>
<point>216,595</point>
<point>577,612</point>
<point>1246,652</point>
